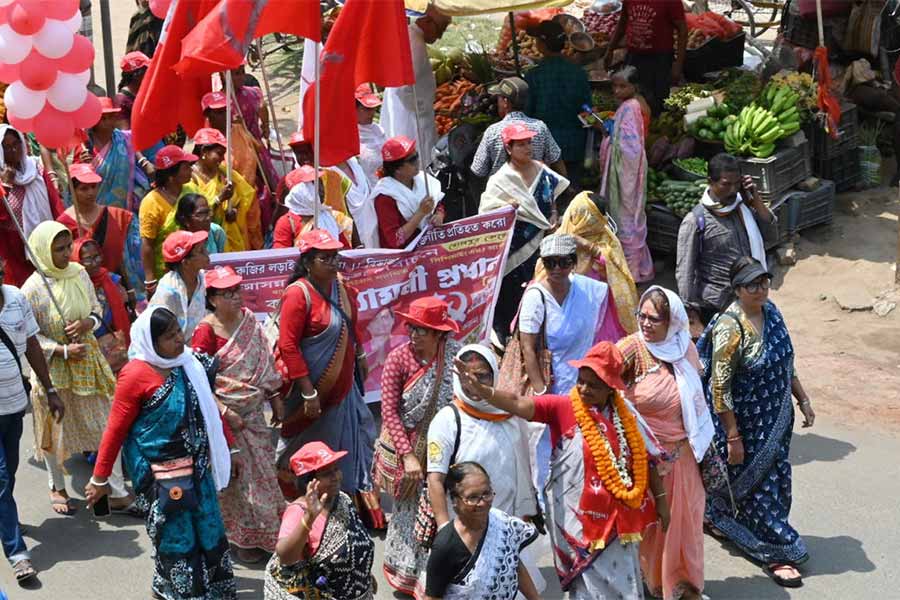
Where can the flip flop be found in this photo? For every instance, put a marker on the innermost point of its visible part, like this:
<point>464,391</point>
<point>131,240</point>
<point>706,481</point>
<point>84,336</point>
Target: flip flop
<point>793,582</point>
<point>715,532</point>
<point>132,510</point>
<point>68,508</point>
<point>24,571</point>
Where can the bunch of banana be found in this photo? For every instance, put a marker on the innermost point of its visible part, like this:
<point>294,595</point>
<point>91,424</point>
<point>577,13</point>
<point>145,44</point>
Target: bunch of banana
<point>757,129</point>
<point>784,103</point>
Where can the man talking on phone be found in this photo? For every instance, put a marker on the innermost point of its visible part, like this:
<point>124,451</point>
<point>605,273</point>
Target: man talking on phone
<point>731,221</point>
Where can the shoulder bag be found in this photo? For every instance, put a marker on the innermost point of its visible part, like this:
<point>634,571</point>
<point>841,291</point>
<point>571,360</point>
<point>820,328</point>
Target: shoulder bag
<point>513,375</point>
<point>426,525</point>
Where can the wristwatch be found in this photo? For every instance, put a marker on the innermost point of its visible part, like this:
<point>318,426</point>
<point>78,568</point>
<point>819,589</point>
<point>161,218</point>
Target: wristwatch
<point>51,390</point>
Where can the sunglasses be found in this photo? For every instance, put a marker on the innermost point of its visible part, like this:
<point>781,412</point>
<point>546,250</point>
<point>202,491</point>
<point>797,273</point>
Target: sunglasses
<point>562,262</point>
<point>756,286</point>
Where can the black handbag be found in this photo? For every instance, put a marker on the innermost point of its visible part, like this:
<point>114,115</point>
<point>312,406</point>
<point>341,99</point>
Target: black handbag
<point>175,485</point>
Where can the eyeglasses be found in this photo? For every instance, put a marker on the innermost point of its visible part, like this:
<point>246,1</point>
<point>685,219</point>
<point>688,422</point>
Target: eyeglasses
<point>328,259</point>
<point>648,318</point>
<point>562,262</point>
<point>756,286</point>
<point>229,294</point>
<point>486,497</point>
<point>417,331</point>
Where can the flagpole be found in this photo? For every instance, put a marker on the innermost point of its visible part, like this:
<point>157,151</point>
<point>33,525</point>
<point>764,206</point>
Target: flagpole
<point>419,140</point>
<point>229,93</point>
<point>271,103</point>
<point>317,120</point>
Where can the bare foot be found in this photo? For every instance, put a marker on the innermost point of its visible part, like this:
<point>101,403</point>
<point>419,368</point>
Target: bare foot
<point>61,503</point>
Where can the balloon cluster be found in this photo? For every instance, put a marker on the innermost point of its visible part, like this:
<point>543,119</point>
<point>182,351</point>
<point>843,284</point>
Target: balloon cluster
<point>48,67</point>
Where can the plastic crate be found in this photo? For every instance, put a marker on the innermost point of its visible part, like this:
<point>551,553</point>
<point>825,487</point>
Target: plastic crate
<point>783,208</point>
<point>844,170</point>
<point>815,207</point>
<point>801,32</point>
<point>779,172</point>
<point>729,53</point>
<point>822,145</point>
<point>662,229</point>
<point>714,55</point>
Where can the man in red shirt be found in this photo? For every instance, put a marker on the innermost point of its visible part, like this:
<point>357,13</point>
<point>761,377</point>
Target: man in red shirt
<point>649,27</point>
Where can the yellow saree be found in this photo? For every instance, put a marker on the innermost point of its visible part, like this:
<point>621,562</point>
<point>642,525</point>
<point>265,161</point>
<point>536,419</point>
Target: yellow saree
<point>245,232</point>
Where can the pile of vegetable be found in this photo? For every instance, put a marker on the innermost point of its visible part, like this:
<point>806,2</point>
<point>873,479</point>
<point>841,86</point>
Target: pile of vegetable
<point>453,99</point>
<point>804,86</point>
<point>757,128</point>
<point>694,166</point>
<point>741,87</point>
<point>681,196</point>
<point>712,25</point>
<point>684,95</point>
<point>669,125</point>
<point>600,22</point>
<point>696,38</point>
<point>712,127</point>
<point>654,180</point>
<point>446,66</point>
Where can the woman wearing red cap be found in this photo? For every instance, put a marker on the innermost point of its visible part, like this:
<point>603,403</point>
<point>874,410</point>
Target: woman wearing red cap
<point>416,383</point>
<point>401,202</point>
<point>303,195</point>
<point>371,135</point>
<point>324,550</point>
<point>245,380</point>
<point>319,346</point>
<point>182,289</point>
<point>532,189</point>
<point>173,170</point>
<point>598,495</point>
<point>134,66</point>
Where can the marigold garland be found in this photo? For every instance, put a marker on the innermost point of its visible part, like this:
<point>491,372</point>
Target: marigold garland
<point>603,455</point>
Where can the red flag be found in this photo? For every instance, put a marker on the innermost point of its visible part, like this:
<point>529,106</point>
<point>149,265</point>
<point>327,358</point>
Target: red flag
<point>165,99</point>
<point>220,41</point>
<point>368,43</point>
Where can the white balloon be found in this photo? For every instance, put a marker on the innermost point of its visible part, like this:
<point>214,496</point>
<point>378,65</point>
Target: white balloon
<point>54,40</point>
<point>23,102</point>
<point>73,23</point>
<point>13,47</point>
<point>84,77</point>
<point>68,93</point>
<point>6,2</point>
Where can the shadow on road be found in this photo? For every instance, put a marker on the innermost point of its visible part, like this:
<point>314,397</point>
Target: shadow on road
<point>80,539</point>
<point>811,447</point>
<point>836,556</point>
<point>745,588</point>
<point>248,588</point>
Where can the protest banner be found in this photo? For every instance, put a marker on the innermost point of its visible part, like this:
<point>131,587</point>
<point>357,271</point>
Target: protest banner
<point>461,262</point>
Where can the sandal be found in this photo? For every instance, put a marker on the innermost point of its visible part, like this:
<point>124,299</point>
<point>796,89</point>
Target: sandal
<point>131,510</point>
<point>251,556</point>
<point>61,503</point>
<point>715,532</point>
<point>788,582</point>
<point>24,571</point>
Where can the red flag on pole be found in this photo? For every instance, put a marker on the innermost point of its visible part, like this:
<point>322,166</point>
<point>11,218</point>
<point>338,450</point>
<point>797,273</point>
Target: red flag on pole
<point>368,43</point>
<point>220,41</point>
<point>165,99</point>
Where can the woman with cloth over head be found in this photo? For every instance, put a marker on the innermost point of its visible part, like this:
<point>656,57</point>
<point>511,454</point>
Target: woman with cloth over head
<point>183,290</point>
<point>749,377</point>
<point>532,189</point>
<point>600,466</point>
<point>323,361</point>
<point>416,383</point>
<point>401,202</point>
<point>663,383</point>
<point>478,553</point>
<point>80,375</point>
<point>166,421</point>
<point>303,194</point>
<point>490,437</point>
<point>246,378</point>
<point>32,197</point>
<point>324,550</point>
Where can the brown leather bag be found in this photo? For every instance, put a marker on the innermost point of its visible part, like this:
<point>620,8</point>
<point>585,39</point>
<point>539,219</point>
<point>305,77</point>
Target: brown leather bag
<point>513,375</point>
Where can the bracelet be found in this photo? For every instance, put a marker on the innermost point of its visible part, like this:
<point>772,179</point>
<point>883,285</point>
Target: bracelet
<point>542,392</point>
<point>803,402</point>
<point>659,495</point>
<point>96,483</point>
<point>65,352</point>
<point>151,282</point>
<point>303,524</point>
<point>130,292</point>
<point>50,390</point>
<point>493,391</point>
<point>736,438</point>
<point>223,411</point>
<point>315,394</point>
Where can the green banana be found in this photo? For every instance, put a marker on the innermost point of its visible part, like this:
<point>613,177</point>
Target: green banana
<point>772,135</point>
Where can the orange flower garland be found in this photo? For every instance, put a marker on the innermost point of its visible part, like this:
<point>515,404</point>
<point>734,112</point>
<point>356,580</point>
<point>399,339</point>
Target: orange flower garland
<point>601,451</point>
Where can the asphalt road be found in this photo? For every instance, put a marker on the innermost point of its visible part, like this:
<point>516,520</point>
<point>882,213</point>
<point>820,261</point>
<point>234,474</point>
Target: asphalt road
<point>846,489</point>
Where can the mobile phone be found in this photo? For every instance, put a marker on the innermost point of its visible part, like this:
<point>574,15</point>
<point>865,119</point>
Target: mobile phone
<point>101,507</point>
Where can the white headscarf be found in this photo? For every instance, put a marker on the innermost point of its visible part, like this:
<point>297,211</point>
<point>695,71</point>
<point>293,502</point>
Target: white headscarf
<point>673,350</point>
<point>142,349</point>
<point>301,200</point>
<point>361,207</point>
<point>36,204</point>
<point>757,245</point>
<point>488,355</point>
<point>407,199</point>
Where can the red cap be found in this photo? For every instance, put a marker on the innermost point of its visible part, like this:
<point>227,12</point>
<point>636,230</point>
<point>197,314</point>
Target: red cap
<point>221,278</point>
<point>179,243</point>
<point>207,136</point>
<point>134,61</point>
<point>297,139</point>
<point>516,131</point>
<point>170,156</point>
<point>365,96</point>
<point>606,361</point>
<point>318,239</point>
<point>430,312</point>
<point>84,173</point>
<point>213,100</point>
<point>397,148</point>
<point>108,106</point>
<point>302,174</point>
<point>314,456</point>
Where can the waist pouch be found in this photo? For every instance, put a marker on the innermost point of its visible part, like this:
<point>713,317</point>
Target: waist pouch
<point>175,484</point>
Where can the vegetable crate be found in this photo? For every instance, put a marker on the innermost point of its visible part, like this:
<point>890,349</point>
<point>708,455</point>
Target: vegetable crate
<point>802,32</point>
<point>813,208</point>
<point>714,55</point>
<point>844,170</point>
<point>779,172</point>
<point>662,229</point>
<point>782,208</point>
<point>825,146</point>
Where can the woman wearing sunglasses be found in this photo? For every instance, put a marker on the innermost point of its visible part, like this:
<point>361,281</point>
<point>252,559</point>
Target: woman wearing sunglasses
<point>477,555</point>
<point>402,204</point>
<point>750,378</point>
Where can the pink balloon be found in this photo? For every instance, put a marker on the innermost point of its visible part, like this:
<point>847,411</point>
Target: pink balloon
<point>59,9</point>
<point>53,128</point>
<point>89,114</point>
<point>160,8</point>
<point>4,14</point>
<point>79,58</point>
<point>22,125</point>
<point>37,71</point>
<point>9,73</point>
<point>25,20</point>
